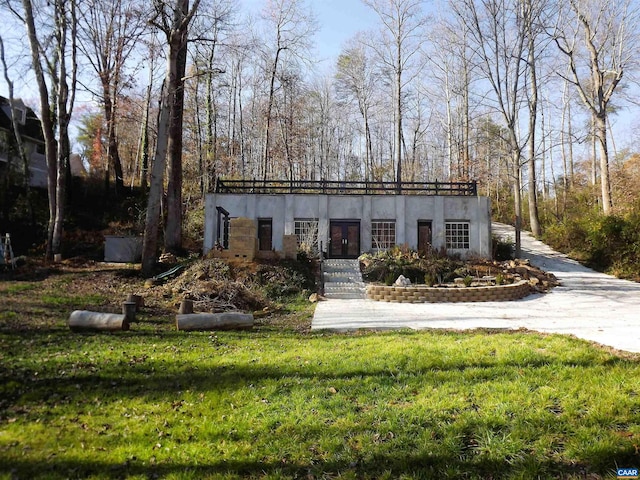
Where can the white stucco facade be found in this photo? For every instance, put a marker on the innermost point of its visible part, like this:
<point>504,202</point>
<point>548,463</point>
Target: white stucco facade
<point>404,211</point>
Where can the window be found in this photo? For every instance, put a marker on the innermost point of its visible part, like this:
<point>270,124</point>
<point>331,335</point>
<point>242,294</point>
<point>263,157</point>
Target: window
<point>264,233</point>
<point>222,238</point>
<point>457,235</point>
<point>307,232</point>
<point>383,234</point>
<point>21,115</point>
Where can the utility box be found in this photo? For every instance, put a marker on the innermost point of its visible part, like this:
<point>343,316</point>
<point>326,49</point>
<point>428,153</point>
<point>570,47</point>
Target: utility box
<point>122,248</point>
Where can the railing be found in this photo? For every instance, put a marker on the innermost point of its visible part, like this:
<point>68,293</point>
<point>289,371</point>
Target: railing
<point>332,187</point>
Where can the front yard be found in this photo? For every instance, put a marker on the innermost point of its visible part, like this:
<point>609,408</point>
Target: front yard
<point>280,401</point>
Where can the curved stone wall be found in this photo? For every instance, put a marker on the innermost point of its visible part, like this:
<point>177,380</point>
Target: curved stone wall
<point>424,294</point>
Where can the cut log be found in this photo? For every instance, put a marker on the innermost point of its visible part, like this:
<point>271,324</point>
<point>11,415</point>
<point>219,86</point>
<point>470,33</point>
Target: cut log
<point>85,320</point>
<point>214,321</point>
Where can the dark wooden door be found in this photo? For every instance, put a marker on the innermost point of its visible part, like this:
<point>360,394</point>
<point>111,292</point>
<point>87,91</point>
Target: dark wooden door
<point>344,239</point>
<point>424,235</point>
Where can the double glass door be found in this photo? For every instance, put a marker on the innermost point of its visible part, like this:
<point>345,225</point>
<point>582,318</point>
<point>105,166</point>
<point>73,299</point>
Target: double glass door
<point>344,239</point>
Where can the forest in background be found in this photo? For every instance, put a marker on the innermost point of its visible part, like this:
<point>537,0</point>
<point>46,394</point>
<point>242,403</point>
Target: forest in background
<point>519,95</point>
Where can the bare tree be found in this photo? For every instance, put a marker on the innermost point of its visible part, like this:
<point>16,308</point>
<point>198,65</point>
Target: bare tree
<point>498,37</point>
<point>355,79</point>
<point>291,28</point>
<point>531,11</point>
<point>451,70</point>
<point>599,39</point>
<point>173,21</point>
<point>401,31</point>
<point>52,43</point>
<point>109,30</point>
<point>213,25</point>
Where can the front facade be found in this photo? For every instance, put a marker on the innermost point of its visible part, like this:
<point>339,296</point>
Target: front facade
<point>32,138</point>
<point>347,225</point>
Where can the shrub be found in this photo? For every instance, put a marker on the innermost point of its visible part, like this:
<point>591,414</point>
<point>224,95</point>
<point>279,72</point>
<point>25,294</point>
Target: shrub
<point>502,249</point>
<point>389,278</point>
<point>387,266</point>
<point>606,243</point>
<point>429,279</point>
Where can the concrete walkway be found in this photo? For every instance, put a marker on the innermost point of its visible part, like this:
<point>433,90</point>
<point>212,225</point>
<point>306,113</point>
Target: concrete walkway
<point>587,304</point>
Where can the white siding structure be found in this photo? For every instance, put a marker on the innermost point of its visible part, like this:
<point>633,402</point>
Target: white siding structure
<point>461,223</point>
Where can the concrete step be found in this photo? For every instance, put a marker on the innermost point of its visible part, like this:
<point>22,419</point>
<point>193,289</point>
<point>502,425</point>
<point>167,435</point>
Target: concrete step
<point>345,286</point>
<point>345,290</point>
<point>342,279</point>
<point>333,271</point>
<point>338,265</point>
<point>345,296</point>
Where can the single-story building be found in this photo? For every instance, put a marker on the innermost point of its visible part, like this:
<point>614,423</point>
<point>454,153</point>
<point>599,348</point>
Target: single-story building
<point>346,219</point>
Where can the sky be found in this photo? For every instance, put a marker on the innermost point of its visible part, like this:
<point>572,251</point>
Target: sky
<point>340,20</point>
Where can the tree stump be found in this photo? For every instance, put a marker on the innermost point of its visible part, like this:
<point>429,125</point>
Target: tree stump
<point>186,307</point>
<point>129,311</point>
<point>138,299</point>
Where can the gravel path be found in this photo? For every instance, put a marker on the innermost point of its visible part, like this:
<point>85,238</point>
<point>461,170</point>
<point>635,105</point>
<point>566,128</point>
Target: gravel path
<point>587,304</point>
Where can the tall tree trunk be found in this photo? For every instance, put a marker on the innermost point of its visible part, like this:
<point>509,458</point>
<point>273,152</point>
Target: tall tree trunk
<point>466,125</point>
<point>267,127</point>
<point>211,169</point>
<point>594,152</point>
<point>398,114</point>
<point>56,151</point>
<point>178,55</point>
<point>144,142</point>
<point>65,98</point>
<point>368,175</point>
<point>48,128</point>
<point>605,183</point>
<point>533,116</point>
<point>113,155</point>
<point>152,220</point>
<point>517,202</point>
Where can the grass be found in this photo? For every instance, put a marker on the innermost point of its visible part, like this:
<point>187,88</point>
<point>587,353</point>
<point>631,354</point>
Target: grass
<point>282,402</point>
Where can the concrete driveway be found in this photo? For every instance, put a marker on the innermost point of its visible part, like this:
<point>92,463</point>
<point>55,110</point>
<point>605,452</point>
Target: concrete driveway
<point>587,304</point>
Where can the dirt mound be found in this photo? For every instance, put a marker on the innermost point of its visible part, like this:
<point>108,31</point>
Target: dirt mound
<point>217,285</point>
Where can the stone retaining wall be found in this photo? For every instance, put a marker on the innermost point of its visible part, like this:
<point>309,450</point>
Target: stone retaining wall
<point>424,294</point>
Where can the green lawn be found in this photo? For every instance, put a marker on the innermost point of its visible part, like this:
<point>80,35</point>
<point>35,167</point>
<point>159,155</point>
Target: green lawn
<point>278,403</point>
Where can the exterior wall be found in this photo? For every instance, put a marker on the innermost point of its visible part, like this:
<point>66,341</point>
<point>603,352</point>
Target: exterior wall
<point>405,210</point>
<point>37,161</point>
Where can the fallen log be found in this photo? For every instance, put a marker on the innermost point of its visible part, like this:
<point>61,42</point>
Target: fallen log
<point>214,321</point>
<point>84,320</point>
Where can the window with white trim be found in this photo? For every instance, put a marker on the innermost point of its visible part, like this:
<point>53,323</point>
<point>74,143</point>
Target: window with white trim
<point>383,234</point>
<point>456,235</point>
<point>306,231</point>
